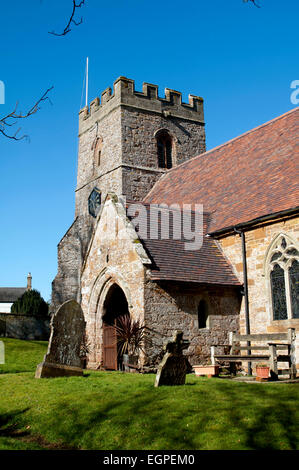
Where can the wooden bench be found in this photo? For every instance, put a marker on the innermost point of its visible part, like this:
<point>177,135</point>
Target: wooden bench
<point>271,343</point>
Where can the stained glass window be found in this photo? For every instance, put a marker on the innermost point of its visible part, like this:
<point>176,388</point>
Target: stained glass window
<point>292,252</point>
<point>284,279</point>
<point>278,294</point>
<point>294,288</point>
<point>275,256</point>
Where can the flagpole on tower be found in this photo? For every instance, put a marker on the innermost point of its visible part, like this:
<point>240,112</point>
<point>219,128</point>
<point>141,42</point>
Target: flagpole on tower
<point>86,100</point>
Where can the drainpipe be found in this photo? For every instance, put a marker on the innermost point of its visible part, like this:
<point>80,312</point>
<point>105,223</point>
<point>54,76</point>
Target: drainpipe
<point>245,278</point>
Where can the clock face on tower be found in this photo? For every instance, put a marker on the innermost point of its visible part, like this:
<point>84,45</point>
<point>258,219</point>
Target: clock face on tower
<point>94,202</point>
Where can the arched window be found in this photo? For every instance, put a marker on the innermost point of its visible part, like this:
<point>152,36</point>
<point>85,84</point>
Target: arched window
<point>284,279</point>
<point>164,149</point>
<point>279,302</point>
<point>294,287</point>
<point>97,150</point>
<point>202,314</point>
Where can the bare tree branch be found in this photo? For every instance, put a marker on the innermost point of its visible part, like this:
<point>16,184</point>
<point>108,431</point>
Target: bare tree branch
<point>12,118</point>
<point>252,1</point>
<point>67,29</point>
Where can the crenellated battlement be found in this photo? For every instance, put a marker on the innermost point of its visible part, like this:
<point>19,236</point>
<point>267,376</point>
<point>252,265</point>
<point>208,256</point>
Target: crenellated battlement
<point>124,94</point>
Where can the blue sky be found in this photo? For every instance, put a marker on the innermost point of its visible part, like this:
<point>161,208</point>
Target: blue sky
<point>239,58</point>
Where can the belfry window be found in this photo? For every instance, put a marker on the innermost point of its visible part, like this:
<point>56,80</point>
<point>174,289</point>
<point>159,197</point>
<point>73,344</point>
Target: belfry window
<point>284,279</point>
<point>164,149</point>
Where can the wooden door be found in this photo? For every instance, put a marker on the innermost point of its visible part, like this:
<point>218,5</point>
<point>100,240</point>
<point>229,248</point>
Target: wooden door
<point>109,347</point>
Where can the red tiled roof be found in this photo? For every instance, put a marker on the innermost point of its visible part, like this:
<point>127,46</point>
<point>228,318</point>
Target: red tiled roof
<point>172,261</point>
<point>251,176</point>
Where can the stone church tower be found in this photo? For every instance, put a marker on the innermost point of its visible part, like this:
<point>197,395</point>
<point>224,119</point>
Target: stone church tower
<point>127,140</point>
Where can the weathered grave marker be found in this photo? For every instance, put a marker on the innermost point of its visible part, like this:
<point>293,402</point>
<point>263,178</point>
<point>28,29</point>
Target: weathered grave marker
<point>174,366</point>
<point>67,331</point>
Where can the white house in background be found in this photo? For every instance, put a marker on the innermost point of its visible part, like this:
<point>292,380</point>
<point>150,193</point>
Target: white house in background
<point>8,295</point>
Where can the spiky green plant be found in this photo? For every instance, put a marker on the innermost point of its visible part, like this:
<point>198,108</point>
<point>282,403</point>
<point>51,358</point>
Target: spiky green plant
<point>131,335</point>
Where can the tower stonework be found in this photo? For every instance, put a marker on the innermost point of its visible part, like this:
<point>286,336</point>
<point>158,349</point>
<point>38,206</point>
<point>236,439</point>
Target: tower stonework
<point>118,153</point>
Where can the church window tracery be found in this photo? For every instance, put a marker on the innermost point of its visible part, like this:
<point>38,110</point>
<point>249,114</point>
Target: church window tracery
<point>284,279</point>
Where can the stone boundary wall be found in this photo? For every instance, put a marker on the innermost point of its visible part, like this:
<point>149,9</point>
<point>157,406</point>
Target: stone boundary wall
<point>24,327</point>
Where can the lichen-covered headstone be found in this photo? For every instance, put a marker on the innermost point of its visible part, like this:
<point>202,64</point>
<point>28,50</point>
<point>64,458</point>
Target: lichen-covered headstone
<point>174,366</point>
<point>67,332</point>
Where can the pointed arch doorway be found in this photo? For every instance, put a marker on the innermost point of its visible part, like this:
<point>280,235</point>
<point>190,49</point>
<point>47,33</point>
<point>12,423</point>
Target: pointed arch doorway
<point>115,305</point>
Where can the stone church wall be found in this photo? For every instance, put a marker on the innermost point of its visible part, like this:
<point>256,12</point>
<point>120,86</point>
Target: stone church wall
<point>106,175</point>
<point>71,252</point>
<point>139,148</point>
<point>171,306</point>
<point>127,122</point>
<point>111,260</point>
<point>163,307</point>
<point>258,242</point>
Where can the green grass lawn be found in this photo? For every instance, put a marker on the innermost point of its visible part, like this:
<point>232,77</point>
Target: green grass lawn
<point>114,410</point>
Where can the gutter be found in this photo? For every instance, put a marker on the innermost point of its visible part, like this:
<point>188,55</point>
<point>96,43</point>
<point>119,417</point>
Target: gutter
<point>259,220</point>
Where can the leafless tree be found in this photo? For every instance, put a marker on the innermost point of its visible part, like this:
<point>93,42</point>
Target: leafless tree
<point>11,119</point>
<point>252,1</point>
<point>78,5</point>
<point>71,21</point>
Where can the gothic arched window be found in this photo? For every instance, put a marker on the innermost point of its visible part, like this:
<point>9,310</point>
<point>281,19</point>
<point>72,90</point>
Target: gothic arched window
<point>97,150</point>
<point>164,149</point>
<point>284,279</point>
<point>294,287</point>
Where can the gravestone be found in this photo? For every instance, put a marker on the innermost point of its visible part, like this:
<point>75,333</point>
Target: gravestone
<point>67,332</point>
<point>174,366</point>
